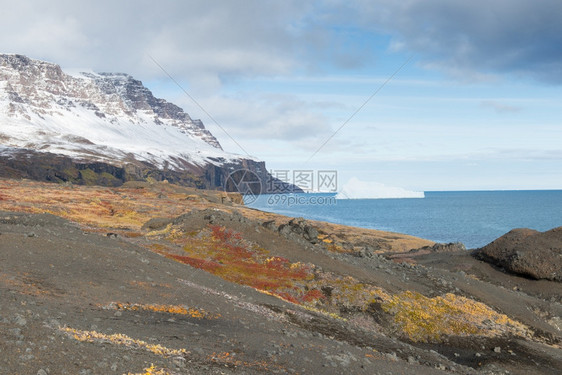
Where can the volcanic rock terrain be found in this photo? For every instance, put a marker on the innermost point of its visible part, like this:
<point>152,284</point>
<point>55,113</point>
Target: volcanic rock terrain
<point>155,278</point>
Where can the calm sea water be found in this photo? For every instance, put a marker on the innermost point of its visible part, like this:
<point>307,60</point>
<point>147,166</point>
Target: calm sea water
<point>474,218</point>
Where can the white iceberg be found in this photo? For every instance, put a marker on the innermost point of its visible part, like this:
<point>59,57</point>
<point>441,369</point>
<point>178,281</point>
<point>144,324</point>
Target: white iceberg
<point>357,189</point>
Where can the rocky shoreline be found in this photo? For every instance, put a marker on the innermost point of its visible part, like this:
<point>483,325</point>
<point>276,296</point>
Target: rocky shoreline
<point>162,279</point>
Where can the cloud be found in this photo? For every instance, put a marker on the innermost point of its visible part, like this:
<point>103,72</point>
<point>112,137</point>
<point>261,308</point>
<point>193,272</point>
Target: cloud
<point>207,42</point>
<point>479,37</point>
<point>266,116</point>
<point>190,38</point>
<point>500,107</point>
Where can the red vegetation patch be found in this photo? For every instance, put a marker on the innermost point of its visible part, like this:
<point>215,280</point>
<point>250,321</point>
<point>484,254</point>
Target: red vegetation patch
<point>313,295</point>
<point>225,253</point>
<point>206,265</point>
<point>225,235</point>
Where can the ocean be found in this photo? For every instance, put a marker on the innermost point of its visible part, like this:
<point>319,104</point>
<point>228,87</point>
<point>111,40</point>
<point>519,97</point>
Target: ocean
<point>474,218</point>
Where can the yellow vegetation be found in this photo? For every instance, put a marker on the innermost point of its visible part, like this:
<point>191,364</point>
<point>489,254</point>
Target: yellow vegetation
<point>152,370</point>
<point>429,319</point>
<point>94,205</point>
<point>325,313</point>
<point>226,254</point>
<point>171,309</point>
<point>160,232</point>
<point>124,340</point>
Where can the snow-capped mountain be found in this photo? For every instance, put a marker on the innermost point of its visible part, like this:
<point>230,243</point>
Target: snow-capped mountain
<point>104,118</point>
<point>96,116</point>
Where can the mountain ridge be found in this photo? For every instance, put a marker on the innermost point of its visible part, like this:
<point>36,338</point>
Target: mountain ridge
<point>103,119</point>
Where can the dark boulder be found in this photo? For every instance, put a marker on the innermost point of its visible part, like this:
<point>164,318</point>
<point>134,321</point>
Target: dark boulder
<point>299,227</point>
<point>157,223</point>
<point>270,224</point>
<point>450,247</point>
<point>527,252</point>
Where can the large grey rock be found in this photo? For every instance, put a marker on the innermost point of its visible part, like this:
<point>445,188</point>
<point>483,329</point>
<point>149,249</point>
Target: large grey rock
<point>450,247</point>
<point>299,227</point>
<point>527,252</point>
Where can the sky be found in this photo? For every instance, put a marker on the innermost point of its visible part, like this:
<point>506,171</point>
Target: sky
<point>421,95</point>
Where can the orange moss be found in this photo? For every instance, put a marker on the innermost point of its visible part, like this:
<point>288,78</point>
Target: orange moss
<point>90,205</point>
<point>132,234</point>
<point>227,254</point>
<point>170,309</point>
<point>152,370</point>
<point>25,284</point>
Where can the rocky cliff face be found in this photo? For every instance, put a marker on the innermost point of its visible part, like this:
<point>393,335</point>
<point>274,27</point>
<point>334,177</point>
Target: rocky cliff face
<point>54,125</point>
<point>39,88</point>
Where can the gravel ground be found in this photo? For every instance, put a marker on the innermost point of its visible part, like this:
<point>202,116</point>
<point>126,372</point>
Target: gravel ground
<point>71,302</point>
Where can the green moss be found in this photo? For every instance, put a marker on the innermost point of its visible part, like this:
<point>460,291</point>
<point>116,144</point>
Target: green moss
<point>72,174</point>
<point>88,177</point>
<point>107,179</point>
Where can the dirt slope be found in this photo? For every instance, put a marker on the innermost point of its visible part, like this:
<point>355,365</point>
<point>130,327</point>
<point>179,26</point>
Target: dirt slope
<point>159,279</point>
